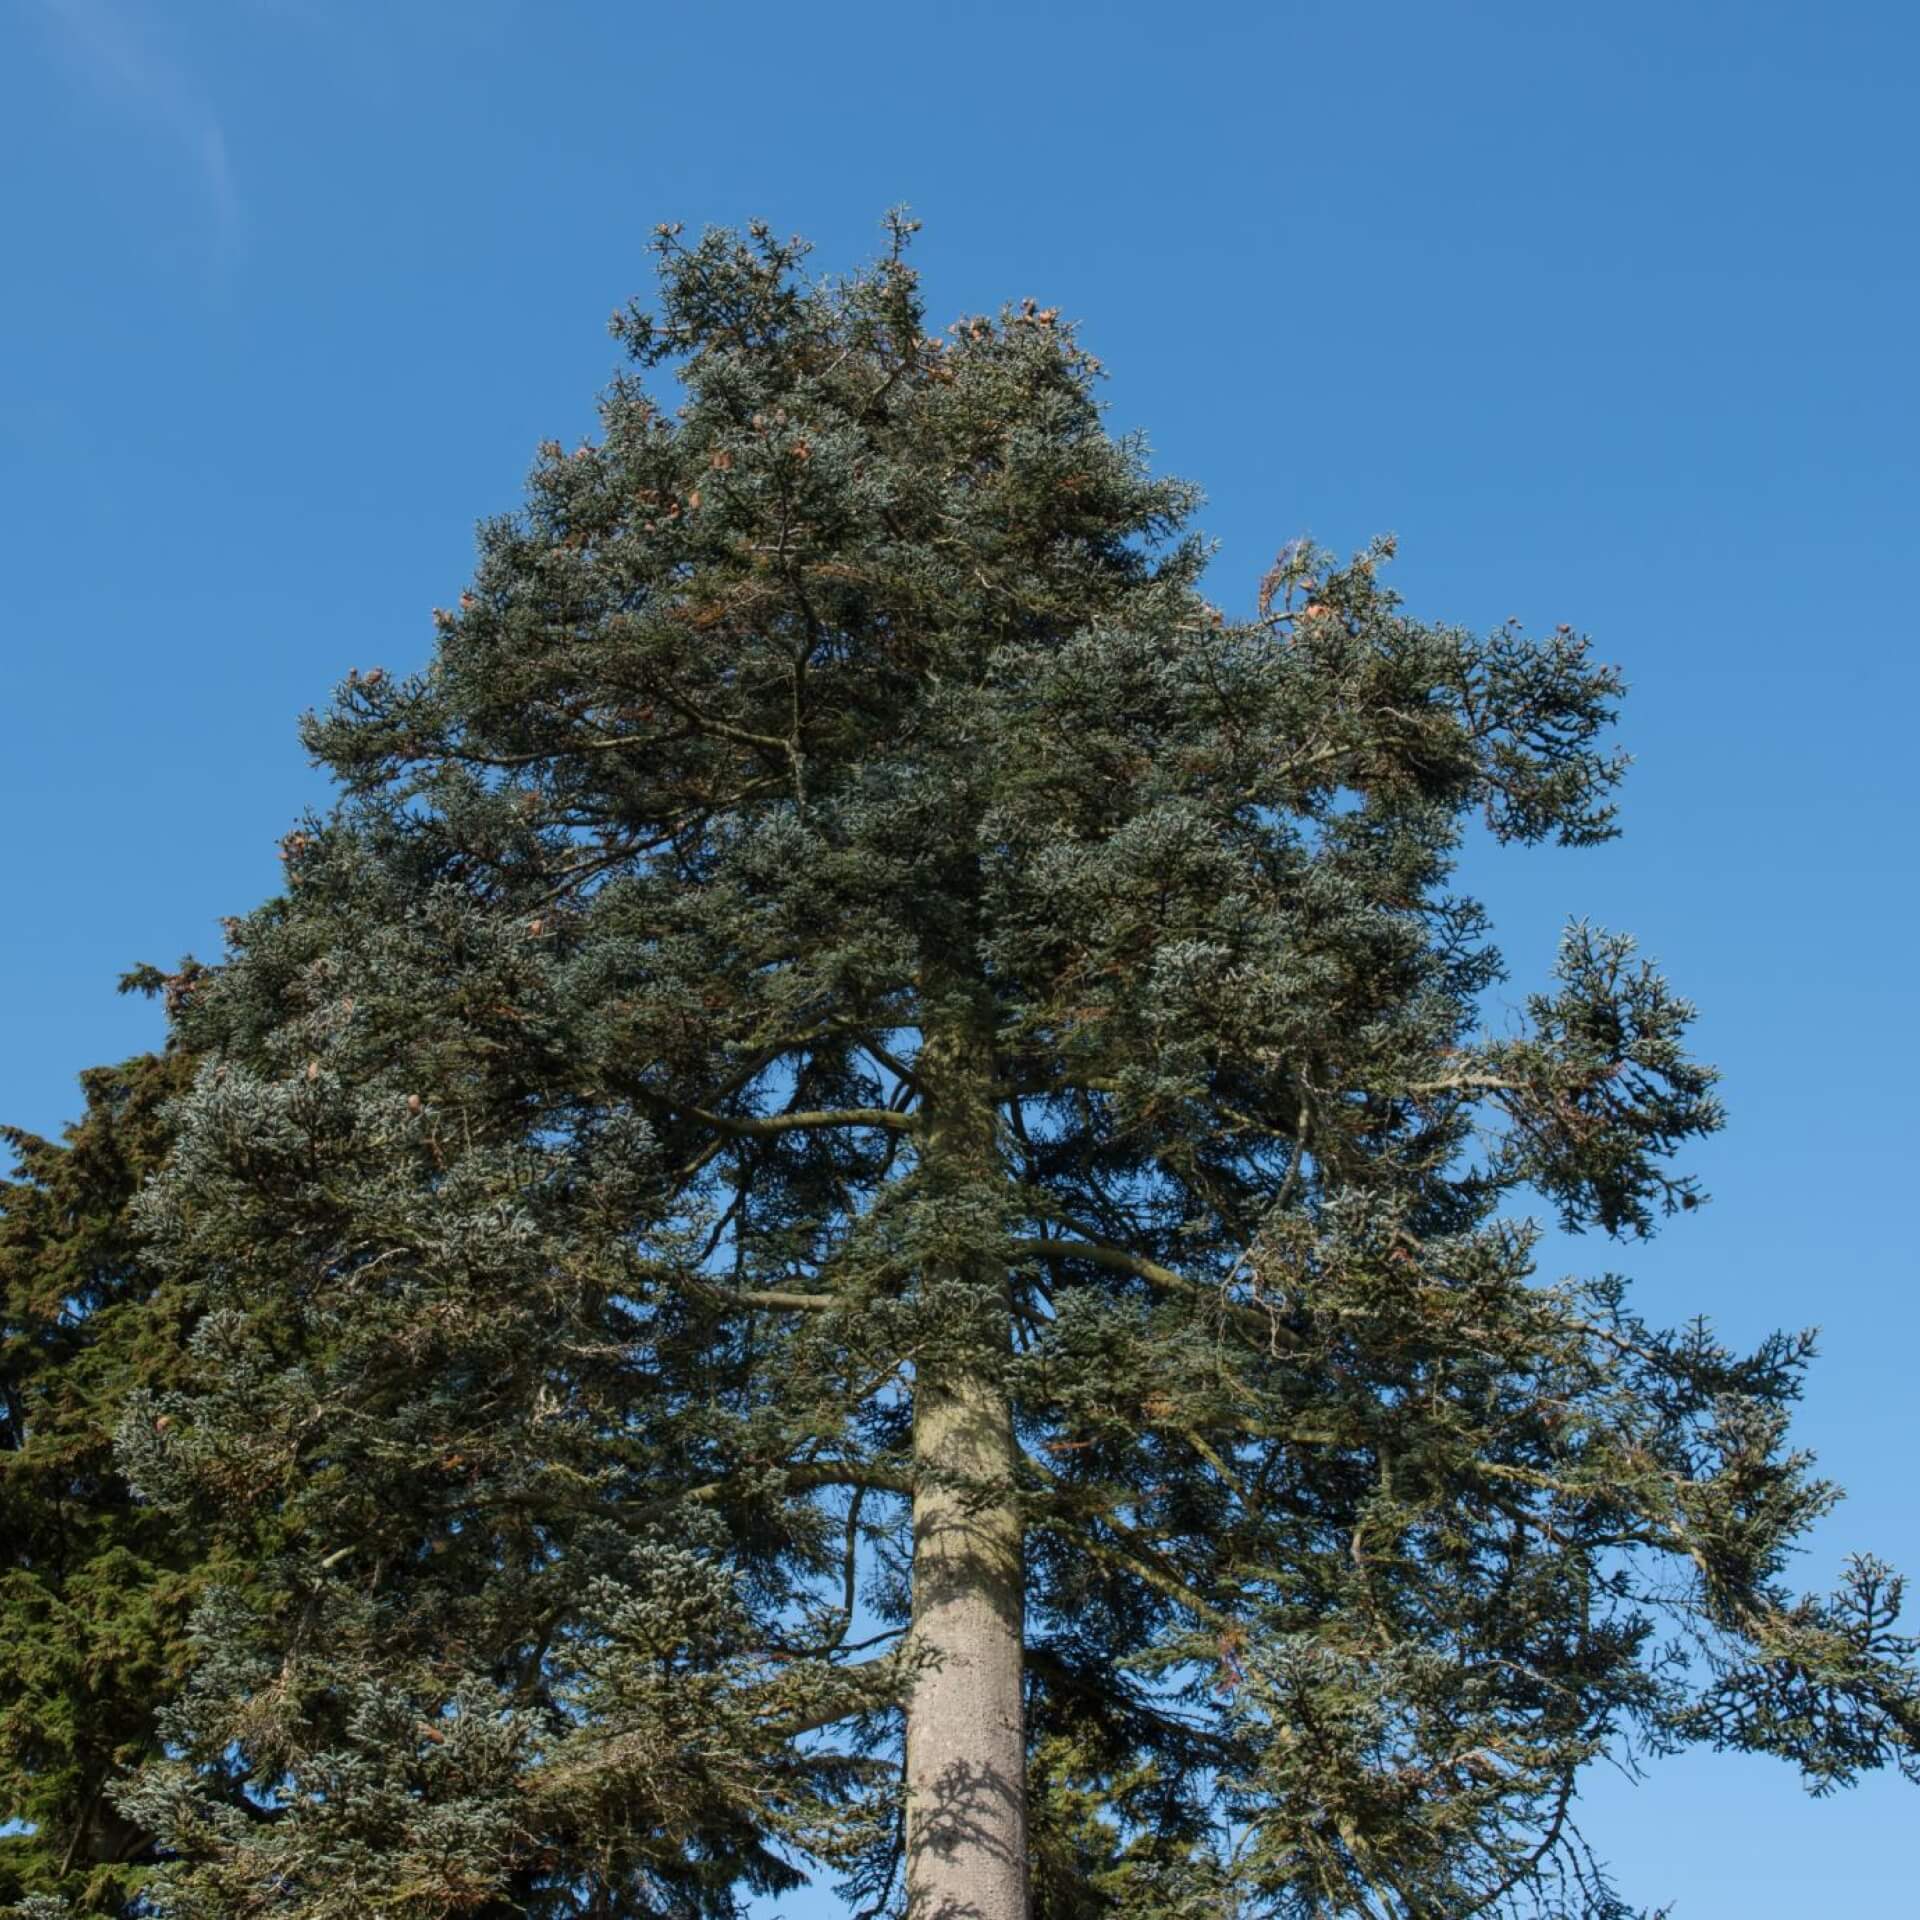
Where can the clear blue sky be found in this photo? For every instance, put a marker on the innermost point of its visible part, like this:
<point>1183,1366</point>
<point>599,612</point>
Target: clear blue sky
<point>1608,311</point>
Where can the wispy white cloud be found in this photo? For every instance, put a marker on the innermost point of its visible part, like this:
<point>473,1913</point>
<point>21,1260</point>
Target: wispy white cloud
<point>114,55</point>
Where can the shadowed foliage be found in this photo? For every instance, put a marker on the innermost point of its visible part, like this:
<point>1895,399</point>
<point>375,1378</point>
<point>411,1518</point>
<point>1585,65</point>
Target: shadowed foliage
<point>95,1588</point>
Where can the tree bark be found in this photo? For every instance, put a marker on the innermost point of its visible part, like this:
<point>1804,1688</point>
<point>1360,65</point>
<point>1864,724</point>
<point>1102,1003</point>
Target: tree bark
<point>966,1852</point>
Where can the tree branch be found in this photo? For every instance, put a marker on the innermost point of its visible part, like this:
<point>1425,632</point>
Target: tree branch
<point>1119,1260</point>
<point>765,1126</point>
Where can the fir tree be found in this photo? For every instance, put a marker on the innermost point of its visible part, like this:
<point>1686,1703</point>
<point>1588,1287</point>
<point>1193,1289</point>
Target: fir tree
<point>858,1209</point>
<point>95,1588</point>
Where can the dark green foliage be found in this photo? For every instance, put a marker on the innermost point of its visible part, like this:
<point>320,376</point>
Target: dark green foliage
<point>95,1589</point>
<point>566,1189</point>
<point>492,1657</point>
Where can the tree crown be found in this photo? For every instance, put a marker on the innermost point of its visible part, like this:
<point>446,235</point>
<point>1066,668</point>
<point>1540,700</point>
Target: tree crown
<point>842,912</point>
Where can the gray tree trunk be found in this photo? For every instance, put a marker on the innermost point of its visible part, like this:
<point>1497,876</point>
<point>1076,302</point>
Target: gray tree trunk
<point>966,1745</point>
<point>966,1742</point>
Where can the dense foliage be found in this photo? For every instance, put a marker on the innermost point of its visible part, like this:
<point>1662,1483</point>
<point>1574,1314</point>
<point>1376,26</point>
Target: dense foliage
<point>95,1588</point>
<point>850,1009</point>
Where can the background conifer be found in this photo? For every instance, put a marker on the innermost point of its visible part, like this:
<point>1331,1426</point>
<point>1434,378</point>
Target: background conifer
<point>95,1587</point>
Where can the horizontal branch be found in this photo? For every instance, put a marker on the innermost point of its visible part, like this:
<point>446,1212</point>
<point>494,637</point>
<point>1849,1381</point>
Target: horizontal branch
<point>1466,1083</point>
<point>804,1477</point>
<point>1098,1254</point>
<point>1119,1260</point>
<point>777,1302</point>
<point>766,1126</point>
<point>573,743</point>
<point>875,1675</point>
<point>724,729</point>
<point>665,1276</point>
<point>1136,1559</point>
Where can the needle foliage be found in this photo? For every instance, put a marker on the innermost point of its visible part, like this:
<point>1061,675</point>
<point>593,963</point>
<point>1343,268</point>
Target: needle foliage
<point>95,1587</point>
<point>566,1198</point>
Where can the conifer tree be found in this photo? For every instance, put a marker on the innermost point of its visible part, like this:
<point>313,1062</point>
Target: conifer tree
<point>95,1588</point>
<point>859,1209</point>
